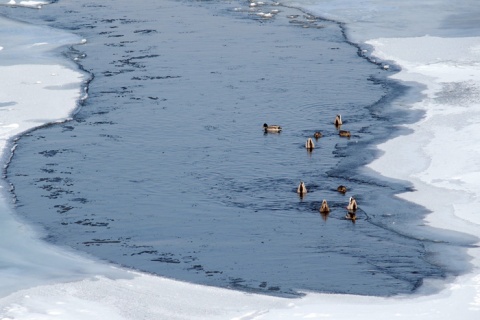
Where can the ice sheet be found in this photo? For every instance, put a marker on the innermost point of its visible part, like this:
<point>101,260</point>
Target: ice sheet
<point>439,157</point>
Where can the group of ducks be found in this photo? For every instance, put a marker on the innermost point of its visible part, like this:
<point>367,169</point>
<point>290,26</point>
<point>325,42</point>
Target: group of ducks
<point>310,145</point>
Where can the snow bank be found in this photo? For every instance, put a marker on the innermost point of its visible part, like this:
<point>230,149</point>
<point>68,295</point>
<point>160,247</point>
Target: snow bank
<point>31,4</point>
<point>442,153</point>
<point>444,149</point>
<point>440,158</point>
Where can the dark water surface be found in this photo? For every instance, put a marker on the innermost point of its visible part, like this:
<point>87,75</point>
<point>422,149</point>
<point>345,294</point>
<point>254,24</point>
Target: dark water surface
<point>165,167</point>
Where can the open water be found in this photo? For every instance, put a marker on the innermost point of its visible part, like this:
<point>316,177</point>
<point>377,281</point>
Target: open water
<point>165,167</point>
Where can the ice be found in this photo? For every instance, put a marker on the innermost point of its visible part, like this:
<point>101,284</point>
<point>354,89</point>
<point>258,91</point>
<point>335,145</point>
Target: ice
<point>371,19</point>
<point>439,157</point>
<point>32,4</point>
<point>448,145</point>
<point>32,95</point>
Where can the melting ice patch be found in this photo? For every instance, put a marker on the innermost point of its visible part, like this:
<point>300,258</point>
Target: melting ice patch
<point>32,4</point>
<point>450,69</point>
<point>25,97</point>
<point>27,92</point>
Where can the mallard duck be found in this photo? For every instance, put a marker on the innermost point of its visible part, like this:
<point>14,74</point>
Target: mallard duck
<point>338,120</point>
<point>352,205</point>
<point>324,208</point>
<point>317,135</point>
<point>342,189</point>
<point>344,133</point>
<point>301,190</point>
<point>351,216</point>
<point>271,128</point>
<point>309,144</point>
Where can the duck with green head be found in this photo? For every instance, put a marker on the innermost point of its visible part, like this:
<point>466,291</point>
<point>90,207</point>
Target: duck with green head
<point>271,128</point>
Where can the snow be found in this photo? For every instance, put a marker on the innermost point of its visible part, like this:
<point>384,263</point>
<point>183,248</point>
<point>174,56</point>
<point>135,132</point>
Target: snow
<point>448,143</point>
<point>439,157</point>
<point>32,4</point>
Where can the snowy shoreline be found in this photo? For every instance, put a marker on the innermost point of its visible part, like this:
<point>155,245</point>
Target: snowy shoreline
<point>88,289</point>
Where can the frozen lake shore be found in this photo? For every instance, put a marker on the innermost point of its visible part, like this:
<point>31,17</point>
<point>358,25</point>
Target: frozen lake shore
<point>85,298</point>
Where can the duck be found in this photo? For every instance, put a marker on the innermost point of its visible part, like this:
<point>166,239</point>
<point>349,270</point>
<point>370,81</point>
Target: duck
<point>351,216</point>
<point>344,133</point>
<point>324,208</point>
<point>342,189</point>
<point>352,205</point>
<point>338,120</point>
<point>301,190</point>
<point>271,128</point>
<point>317,135</point>
<point>309,144</point>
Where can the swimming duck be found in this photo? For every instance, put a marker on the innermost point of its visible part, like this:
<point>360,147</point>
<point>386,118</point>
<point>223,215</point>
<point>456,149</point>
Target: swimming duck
<point>342,189</point>
<point>324,208</point>
<point>301,190</point>
<point>338,120</point>
<point>352,205</point>
<point>309,144</point>
<point>351,216</point>
<point>317,135</point>
<point>271,128</point>
<point>344,133</point>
